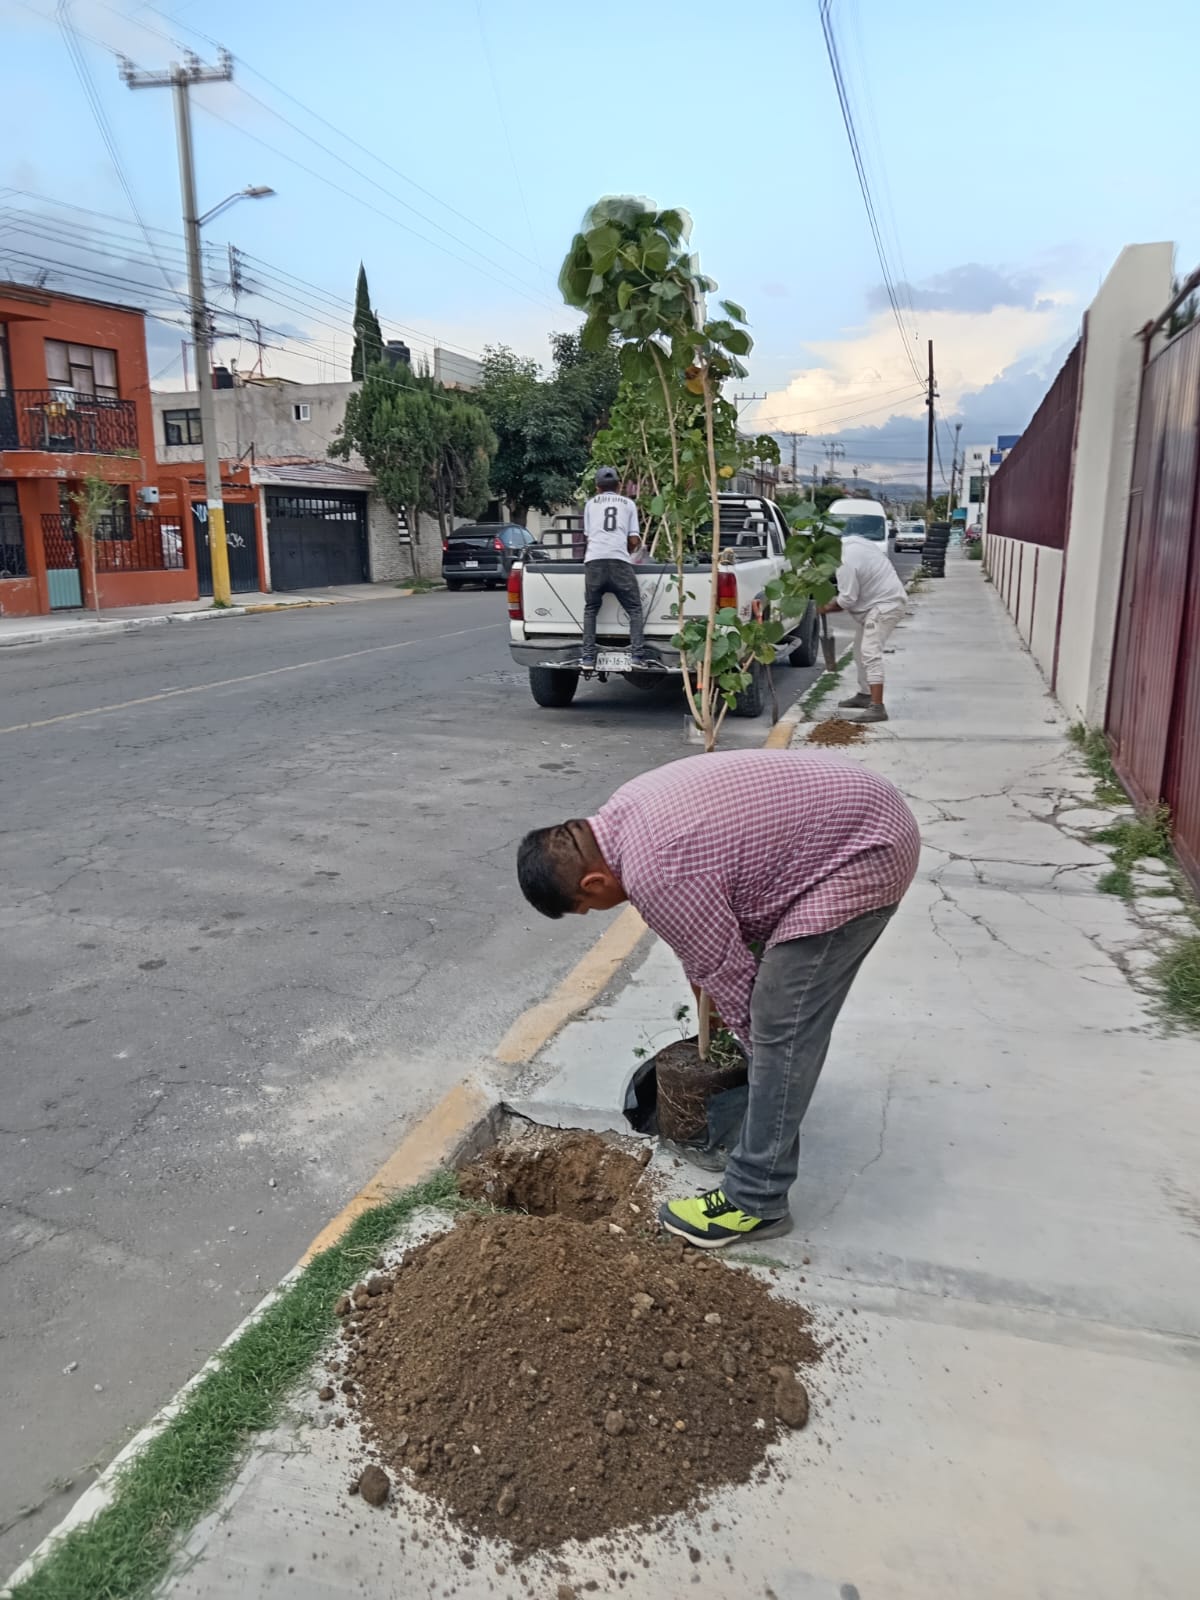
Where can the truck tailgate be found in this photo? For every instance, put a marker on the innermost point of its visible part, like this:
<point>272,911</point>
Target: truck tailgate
<point>553,600</point>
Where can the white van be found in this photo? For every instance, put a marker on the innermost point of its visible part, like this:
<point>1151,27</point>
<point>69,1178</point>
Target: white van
<point>865,519</point>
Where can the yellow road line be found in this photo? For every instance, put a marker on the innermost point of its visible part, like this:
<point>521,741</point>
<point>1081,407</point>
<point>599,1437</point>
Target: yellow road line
<point>590,976</point>
<point>248,677</point>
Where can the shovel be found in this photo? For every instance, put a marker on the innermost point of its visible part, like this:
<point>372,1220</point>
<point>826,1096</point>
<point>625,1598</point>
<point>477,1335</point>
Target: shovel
<point>828,645</point>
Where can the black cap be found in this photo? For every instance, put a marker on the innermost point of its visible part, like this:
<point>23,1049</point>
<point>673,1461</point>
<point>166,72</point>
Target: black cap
<point>608,478</point>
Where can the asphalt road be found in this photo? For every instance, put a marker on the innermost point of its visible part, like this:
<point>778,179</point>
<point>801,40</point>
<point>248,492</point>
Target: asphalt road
<point>258,913</point>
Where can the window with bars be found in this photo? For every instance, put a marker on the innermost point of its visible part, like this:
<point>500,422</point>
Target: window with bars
<point>83,368</point>
<point>182,427</point>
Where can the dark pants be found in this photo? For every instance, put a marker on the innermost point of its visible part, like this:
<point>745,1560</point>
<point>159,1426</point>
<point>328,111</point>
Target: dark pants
<point>611,577</point>
<point>797,996</point>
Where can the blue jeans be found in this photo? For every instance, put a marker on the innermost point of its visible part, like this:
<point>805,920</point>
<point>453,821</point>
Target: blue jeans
<point>798,993</point>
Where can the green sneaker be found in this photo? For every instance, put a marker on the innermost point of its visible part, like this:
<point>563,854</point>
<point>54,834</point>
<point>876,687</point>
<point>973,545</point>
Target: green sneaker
<point>710,1221</point>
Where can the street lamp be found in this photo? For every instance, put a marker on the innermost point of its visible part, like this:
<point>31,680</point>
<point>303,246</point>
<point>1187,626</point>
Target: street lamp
<point>252,191</point>
<point>218,548</point>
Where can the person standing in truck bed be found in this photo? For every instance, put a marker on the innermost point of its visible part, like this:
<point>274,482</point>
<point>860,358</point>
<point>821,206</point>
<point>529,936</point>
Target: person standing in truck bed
<point>610,529</point>
<point>804,855</point>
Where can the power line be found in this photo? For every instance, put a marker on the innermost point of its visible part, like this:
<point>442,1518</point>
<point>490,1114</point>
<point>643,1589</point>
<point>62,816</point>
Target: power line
<point>312,172</point>
<point>528,291</point>
<point>836,417</point>
<point>70,38</point>
<point>825,8</point>
<point>332,126</point>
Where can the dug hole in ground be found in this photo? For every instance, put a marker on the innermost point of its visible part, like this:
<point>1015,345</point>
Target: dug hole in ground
<point>971,1369</point>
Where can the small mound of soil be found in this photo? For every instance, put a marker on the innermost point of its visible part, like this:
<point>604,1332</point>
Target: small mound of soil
<point>580,1175</point>
<point>546,1379</point>
<point>836,730</point>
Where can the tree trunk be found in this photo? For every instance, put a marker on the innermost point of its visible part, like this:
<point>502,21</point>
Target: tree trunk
<point>706,696</point>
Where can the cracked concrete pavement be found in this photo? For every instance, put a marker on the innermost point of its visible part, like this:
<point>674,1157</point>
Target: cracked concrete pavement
<point>251,930</point>
<point>997,1170</point>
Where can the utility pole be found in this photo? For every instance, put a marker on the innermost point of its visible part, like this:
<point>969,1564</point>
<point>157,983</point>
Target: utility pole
<point>833,450</point>
<point>179,80</point>
<point>929,442</point>
<point>795,438</point>
<point>953,469</point>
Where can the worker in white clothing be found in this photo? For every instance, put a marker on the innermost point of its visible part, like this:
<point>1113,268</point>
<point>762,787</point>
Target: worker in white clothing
<point>871,594</point>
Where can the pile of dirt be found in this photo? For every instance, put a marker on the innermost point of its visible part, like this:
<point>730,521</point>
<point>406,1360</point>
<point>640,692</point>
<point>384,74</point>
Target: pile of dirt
<point>578,1175</point>
<point>836,730</point>
<point>546,1379</point>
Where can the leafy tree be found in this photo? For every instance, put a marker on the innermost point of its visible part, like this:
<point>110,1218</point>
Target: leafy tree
<point>368,336</point>
<point>544,426</point>
<point>630,271</point>
<point>92,503</point>
<point>428,447</point>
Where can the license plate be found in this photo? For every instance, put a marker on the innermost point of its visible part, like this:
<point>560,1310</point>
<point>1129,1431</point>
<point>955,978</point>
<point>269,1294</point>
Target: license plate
<point>614,661</point>
<point>470,563</point>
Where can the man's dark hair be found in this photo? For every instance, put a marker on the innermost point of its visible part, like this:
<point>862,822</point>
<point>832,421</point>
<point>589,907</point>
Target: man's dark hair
<point>550,863</point>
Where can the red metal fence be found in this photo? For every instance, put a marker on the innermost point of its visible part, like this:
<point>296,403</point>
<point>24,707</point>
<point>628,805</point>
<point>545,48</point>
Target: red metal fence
<point>1153,720</point>
<point>1030,494</point>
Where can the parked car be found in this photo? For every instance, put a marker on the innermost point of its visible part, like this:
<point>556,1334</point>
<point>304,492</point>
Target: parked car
<point>911,535</point>
<point>483,552</point>
<point>863,519</point>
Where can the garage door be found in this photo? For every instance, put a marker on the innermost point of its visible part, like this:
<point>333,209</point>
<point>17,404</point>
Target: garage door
<point>316,539</point>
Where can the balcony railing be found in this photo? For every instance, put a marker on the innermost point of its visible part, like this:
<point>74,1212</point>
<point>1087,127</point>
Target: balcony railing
<point>143,544</point>
<point>12,546</point>
<point>67,423</point>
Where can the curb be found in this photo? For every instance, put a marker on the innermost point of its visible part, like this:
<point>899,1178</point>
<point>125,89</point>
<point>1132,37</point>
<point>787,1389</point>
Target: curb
<point>461,1123</point>
<point>118,626</point>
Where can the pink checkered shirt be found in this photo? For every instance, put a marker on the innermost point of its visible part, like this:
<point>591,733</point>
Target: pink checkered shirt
<point>717,851</point>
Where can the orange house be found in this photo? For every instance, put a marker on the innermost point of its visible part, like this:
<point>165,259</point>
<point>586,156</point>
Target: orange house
<point>75,407</point>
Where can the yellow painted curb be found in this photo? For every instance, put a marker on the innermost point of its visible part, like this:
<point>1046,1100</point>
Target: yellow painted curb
<point>462,1110</point>
<point>435,1140</point>
<point>591,974</point>
<point>780,736</point>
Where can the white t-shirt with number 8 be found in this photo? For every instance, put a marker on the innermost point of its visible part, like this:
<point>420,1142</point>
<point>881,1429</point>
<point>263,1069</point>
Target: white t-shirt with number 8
<point>609,522</point>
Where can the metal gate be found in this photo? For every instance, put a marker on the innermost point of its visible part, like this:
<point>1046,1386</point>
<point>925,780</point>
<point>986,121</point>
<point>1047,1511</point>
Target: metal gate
<point>60,548</point>
<point>241,535</point>
<point>1154,694</point>
<point>316,539</point>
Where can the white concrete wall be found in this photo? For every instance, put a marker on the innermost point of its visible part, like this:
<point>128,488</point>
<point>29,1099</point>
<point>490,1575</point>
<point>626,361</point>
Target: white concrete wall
<point>1027,569</point>
<point>1028,578</point>
<point>1044,622</point>
<point>1134,292</point>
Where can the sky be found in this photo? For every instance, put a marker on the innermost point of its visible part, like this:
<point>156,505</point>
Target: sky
<point>1010,153</point>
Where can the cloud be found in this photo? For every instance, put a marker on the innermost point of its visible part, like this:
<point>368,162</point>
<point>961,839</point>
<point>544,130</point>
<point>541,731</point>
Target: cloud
<point>864,388</point>
<point>968,288</point>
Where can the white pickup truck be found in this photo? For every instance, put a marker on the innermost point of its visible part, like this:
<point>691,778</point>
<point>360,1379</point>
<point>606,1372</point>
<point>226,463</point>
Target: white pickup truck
<point>545,606</point>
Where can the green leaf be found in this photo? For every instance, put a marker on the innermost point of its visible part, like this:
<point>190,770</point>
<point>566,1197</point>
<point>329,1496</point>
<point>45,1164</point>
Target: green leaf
<point>739,342</point>
<point>625,293</point>
<point>732,309</point>
<point>656,255</point>
<point>603,241</point>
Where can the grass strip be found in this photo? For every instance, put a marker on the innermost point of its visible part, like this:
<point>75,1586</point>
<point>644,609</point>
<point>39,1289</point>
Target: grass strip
<point>1093,747</point>
<point>161,1493</point>
<point>826,682</point>
<point>1178,975</point>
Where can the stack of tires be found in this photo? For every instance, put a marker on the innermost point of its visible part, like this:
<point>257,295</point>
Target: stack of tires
<point>933,558</point>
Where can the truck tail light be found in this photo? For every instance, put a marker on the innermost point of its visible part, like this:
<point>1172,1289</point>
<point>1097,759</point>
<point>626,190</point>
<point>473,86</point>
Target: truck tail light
<point>727,594</point>
<point>516,598</point>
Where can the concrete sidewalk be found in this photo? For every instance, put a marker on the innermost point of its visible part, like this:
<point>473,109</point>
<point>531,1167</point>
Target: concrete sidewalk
<point>997,1209</point>
<point>130,619</point>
